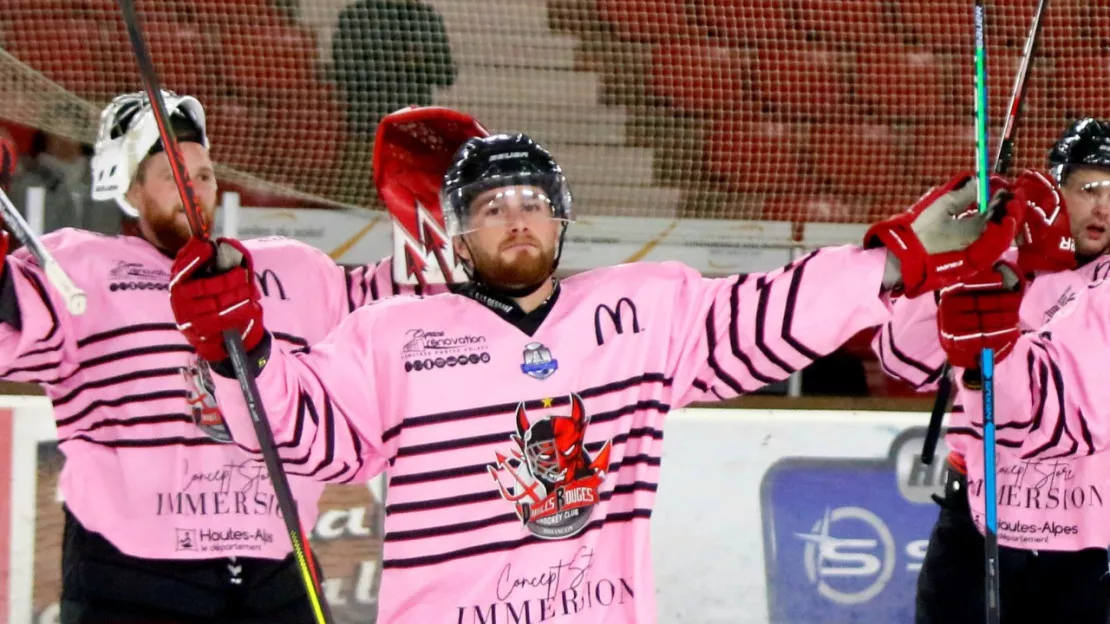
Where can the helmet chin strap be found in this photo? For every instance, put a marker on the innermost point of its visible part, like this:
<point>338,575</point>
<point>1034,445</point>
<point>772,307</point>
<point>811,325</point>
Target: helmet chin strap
<point>520,291</point>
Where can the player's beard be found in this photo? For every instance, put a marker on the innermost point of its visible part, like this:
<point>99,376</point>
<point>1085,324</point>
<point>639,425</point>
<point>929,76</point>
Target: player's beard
<point>525,269</point>
<point>169,232</point>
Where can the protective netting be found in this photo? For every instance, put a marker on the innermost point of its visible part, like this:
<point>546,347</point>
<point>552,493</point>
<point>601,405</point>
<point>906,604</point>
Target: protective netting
<point>723,109</point>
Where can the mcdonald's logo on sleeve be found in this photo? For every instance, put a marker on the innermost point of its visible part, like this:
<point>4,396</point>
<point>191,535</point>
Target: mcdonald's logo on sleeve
<point>621,316</point>
<point>264,284</point>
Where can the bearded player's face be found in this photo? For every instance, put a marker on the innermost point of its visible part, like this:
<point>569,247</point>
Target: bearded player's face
<point>511,236</point>
<point>154,194</point>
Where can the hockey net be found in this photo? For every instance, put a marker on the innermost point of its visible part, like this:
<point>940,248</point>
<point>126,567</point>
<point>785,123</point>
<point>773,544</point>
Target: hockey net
<point>661,111</point>
<point>812,110</point>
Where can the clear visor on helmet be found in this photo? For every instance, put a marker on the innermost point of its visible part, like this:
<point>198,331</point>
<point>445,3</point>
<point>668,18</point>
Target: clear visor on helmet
<point>504,201</point>
<point>1095,186</point>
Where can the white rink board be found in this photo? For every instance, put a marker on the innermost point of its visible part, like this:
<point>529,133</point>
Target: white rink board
<point>708,525</point>
<point>707,531</point>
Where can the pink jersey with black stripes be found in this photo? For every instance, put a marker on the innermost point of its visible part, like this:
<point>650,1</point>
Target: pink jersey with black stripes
<point>138,469</point>
<point>1053,431</point>
<point>908,347</point>
<point>523,468</point>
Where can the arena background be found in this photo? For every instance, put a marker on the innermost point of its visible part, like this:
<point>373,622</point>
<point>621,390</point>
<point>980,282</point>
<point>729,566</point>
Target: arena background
<point>731,134</point>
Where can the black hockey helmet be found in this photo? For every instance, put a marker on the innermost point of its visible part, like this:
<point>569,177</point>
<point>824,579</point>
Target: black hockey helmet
<point>1086,143</point>
<point>485,163</point>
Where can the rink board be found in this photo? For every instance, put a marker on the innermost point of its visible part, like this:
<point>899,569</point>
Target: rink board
<point>763,517</point>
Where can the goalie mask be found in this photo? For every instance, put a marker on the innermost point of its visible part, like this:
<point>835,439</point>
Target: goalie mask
<point>128,133</point>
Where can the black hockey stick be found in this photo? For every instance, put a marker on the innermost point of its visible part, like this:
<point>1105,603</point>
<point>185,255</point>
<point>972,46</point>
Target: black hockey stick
<point>1002,161</point>
<point>233,342</point>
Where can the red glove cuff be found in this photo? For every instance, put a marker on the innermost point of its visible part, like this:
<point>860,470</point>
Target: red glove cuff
<point>1046,244</point>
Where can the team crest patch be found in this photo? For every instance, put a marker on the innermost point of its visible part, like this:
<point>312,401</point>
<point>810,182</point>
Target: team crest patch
<point>202,401</point>
<point>549,477</point>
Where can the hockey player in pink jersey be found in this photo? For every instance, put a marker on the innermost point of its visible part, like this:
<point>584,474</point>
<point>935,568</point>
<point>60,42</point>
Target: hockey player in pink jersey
<point>520,418</point>
<point>165,521</point>
<point>1075,215</point>
<point>1053,454</point>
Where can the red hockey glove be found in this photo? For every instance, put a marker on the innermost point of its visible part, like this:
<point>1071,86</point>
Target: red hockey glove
<point>205,303</point>
<point>981,313</point>
<point>1045,241</point>
<point>943,239</point>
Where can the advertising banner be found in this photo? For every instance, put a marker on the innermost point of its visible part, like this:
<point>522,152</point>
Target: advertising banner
<point>844,538</point>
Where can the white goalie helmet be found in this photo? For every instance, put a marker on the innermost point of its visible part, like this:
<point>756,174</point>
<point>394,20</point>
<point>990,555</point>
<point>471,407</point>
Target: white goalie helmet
<point>127,133</point>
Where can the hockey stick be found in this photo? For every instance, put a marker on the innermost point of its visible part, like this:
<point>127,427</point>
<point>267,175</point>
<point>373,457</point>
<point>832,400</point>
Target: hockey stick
<point>1002,161</point>
<point>993,610</point>
<point>233,342</point>
<point>73,296</point>
<point>1005,155</point>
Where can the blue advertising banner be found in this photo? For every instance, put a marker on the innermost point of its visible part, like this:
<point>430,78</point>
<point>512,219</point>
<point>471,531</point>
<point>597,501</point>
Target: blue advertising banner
<point>844,538</point>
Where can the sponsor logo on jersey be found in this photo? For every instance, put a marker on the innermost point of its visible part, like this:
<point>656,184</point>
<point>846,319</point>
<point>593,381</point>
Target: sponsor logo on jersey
<point>620,319</point>
<point>187,539</point>
<point>134,276</point>
<point>538,362</point>
<point>450,361</point>
<point>1066,298</point>
<point>125,270</point>
<point>548,476</point>
<point>269,282</point>
<point>428,349</point>
<point>223,540</point>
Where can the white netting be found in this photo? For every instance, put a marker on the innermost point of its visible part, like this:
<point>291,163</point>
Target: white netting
<point>730,109</point>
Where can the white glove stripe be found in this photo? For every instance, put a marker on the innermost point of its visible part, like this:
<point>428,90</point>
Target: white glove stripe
<point>234,307</point>
<point>977,335</point>
<point>177,278</point>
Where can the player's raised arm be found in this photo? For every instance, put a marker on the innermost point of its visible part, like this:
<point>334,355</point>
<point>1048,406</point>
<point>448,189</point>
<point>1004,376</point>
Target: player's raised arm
<point>35,342</point>
<point>744,332</point>
<point>310,396</point>
<point>906,345</point>
<point>36,334</point>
